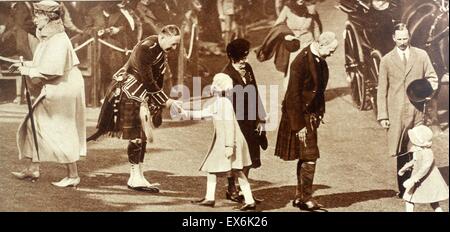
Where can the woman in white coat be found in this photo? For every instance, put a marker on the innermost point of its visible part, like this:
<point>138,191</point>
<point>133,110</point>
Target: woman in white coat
<point>59,110</point>
<point>229,150</point>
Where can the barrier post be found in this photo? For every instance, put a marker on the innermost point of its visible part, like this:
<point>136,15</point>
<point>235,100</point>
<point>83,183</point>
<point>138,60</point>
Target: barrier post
<point>95,73</point>
<point>181,56</point>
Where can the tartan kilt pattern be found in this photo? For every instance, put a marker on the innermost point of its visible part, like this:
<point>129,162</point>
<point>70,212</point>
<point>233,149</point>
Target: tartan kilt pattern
<point>288,146</point>
<point>119,115</point>
<point>129,122</point>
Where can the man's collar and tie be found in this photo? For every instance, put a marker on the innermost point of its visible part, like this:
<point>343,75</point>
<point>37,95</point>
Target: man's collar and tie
<point>404,55</point>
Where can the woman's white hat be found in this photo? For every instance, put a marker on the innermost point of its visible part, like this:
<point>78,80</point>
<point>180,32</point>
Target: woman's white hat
<point>47,6</point>
<point>421,136</point>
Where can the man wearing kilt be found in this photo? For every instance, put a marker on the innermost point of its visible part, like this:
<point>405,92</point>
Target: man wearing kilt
<point>134,100</point>
<point>302,111</point>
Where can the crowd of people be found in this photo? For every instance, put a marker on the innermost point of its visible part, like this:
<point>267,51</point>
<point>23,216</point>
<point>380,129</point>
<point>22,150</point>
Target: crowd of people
<point>124,23</point>
<point>135,99</point>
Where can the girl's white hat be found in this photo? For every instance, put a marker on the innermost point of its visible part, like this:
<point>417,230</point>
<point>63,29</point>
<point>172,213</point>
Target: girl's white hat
<point>221,82</point>
<point>421,136</point>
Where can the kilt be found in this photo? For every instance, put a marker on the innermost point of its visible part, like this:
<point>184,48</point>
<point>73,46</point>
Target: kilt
<point>288,146</point>
<point>129,122</point>
<point>120,112</point>
<point>119,115</point>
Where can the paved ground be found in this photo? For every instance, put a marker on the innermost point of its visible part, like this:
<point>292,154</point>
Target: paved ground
<point>353,174</point>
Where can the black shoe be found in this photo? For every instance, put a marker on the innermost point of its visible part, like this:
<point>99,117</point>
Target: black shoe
<point>248,207</point>
<point>310,205</point>
<point>204,202</point>
<point>297,202</point>
<point>145,189</point>
<point>234,196</point>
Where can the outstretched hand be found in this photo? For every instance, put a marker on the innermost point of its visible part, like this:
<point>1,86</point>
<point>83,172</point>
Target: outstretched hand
<point>176,110</point>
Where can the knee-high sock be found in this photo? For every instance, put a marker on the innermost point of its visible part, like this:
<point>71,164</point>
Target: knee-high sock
<point>211,181</point>
<point>134,152</point>
<point>142,152</point>
<point>305,177</point>
<point>245,187</point>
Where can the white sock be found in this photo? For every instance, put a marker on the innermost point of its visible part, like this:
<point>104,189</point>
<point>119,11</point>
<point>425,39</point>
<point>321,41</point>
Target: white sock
<point>245,187</point>
<point>211,181</point>
<point>409,207</point>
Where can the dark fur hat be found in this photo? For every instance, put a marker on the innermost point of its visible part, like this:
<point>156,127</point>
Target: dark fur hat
<point>238,49</point>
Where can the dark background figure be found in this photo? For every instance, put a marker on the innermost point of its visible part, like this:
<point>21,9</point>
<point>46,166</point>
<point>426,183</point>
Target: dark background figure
<point>302,112</point>
<point>119,30</point>
<point>383,17</point>
<point>22,13</point>
<point>151,26</point>
<point>7,36</point>
<point>209,20</point>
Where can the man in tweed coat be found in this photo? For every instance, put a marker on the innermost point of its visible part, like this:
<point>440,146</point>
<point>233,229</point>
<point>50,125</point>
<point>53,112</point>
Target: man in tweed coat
<point>303,109</point>
<point>398,69</point>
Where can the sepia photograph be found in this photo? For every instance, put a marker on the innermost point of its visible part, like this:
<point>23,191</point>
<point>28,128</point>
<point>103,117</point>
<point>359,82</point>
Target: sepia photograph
<point>224,106</point>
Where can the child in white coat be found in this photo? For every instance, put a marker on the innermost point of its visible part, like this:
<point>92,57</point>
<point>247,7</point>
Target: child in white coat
<point>426,184</point>
<point>229,150</point>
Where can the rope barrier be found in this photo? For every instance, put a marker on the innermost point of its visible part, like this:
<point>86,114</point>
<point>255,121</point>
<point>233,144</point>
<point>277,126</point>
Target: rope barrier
<point>127,52</point>
<point>75,37</point>
<point>75,49</point>
<point>84,44</point>
<point>9,59</point>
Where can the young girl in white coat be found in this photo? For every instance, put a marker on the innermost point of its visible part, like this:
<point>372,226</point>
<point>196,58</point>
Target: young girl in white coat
<point>426,184</point>
<point>229,150</point>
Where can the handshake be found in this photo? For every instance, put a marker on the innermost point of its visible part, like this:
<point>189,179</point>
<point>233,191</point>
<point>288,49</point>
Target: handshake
<point>176,109</point>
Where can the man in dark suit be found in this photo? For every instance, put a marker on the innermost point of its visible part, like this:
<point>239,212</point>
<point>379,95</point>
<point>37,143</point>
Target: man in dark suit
<point>247,105</point>
<point>120,30</point>
<point>303,109</point>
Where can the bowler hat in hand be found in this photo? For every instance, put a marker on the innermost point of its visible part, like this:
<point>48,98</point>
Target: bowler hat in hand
<point>418,92</point>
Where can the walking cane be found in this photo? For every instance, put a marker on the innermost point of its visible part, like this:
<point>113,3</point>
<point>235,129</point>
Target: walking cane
<point>30,110</point>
